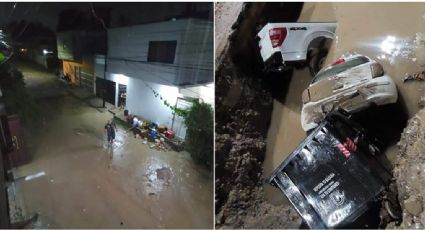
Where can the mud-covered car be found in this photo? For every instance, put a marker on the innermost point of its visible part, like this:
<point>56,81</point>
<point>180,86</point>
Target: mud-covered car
<point>352,83</point>
<point>283,45</point>
<point>336,177</point>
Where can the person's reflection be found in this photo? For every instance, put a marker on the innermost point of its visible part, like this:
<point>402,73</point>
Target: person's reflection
<point>110,152</point>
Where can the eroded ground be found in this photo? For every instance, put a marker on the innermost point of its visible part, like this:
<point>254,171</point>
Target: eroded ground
<point>371,29</point>
<point>362,28</point>
<point>84,184</point>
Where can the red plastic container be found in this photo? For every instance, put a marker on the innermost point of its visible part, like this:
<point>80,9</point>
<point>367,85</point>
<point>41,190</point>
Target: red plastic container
<point>170,134</point>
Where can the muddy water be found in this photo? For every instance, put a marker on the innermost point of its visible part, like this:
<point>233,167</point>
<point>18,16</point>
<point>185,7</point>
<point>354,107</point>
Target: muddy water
<point>90,185</point>
<point>363,28</point>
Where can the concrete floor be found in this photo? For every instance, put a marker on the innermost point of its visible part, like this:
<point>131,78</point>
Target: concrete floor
<point>88,185</point>
<point>361,28</point>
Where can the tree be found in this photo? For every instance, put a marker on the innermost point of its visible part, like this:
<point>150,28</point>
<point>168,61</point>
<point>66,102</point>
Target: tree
<point>199,141</point>
<point>15,96</point>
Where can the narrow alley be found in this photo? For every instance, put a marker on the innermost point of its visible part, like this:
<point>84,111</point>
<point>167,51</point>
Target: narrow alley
<point>78,182</point>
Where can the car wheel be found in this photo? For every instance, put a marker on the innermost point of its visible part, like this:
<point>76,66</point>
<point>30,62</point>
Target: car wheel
<point>317,61</point>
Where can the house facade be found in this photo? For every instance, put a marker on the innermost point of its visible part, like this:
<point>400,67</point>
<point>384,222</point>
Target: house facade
<point>77,50</point>
<point>152,63</point>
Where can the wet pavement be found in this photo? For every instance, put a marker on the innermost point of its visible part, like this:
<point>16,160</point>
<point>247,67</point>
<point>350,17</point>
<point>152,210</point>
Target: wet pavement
<point>371,29</point>
<point>81,182</point>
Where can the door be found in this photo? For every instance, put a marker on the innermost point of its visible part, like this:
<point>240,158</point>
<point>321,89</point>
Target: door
<point>122,95</point>
<point>86,79</point>
<point>107,88</point>
<point>18,154</point>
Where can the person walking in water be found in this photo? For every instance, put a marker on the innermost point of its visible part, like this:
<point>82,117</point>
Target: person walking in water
<point>110,129</point>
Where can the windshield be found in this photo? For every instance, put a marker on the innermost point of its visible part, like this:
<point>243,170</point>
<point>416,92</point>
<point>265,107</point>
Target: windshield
<point>340,68</point>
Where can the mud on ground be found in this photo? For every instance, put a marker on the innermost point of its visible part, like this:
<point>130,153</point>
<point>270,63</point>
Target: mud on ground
<point>243,110</point>
<point>409,172</point>
<point>243,113</point>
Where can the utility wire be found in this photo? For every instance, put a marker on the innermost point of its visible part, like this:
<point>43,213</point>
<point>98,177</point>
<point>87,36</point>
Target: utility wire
<point>172,83</point>
<point>154,68</point>
<point>97,17</point>
<point>159,64</point>
<point>26,26</point>
<point>11,11</point>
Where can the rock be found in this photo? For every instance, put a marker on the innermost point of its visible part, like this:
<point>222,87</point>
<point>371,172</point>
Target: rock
<point>414,205</point>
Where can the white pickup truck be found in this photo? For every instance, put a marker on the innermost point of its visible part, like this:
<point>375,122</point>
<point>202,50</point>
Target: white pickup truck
<point>284,44</point>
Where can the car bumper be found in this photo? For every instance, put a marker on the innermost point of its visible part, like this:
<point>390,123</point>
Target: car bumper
<point>380,91</point>
<point>282,61</point>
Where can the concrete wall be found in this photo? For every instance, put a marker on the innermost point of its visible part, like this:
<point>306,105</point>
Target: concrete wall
<point>204,92</point>
<point>142,102</point>
<point>40,59</point>
<point>193,62</point>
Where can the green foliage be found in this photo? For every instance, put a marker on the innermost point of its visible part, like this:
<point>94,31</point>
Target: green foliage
<point>199,141</point>
<point>178,111</point>
<point>15,96</point>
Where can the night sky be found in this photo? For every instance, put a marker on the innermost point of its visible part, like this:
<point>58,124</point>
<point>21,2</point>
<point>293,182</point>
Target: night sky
<point>47,12</point>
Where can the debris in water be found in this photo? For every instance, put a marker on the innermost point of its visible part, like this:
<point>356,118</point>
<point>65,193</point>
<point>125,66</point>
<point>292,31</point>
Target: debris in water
<point>421,102</point>
<point>79,132</point>
<point>163,174</point>
<point>420,76</point>
<point>414,205</point>
<point>33,176</point>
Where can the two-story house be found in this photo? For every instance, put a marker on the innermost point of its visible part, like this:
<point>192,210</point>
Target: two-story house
<point>156,62</point>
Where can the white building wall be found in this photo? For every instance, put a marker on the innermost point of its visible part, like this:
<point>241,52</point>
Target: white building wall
<point>193,62</point>
<point>142,102</point>
<point>204,92</point>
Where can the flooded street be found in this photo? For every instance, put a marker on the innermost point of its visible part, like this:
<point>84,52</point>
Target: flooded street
<point>80,182</point>
<point>391,33</point>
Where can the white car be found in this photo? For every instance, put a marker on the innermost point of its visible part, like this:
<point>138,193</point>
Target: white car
<point>351,83</point>
<point>284,44</point>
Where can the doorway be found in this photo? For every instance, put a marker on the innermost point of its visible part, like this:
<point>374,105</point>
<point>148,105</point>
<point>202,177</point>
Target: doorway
<point>122,96</point>
<point>106,89</point>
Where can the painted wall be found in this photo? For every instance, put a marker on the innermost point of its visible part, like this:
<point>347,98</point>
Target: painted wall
<point>86,65</point>
<point>204,92</point>
<point>142,102</point>
<point>193,62</point>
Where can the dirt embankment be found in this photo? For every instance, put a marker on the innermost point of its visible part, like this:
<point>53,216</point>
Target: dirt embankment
<point>409,172</point>
<point>243,113</point>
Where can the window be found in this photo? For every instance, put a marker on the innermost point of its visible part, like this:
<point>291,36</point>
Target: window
<point>162,51</point>
<point>340,68</point>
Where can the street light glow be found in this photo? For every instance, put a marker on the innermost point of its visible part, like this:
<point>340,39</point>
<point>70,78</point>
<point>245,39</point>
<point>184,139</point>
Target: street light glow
<point>47,52</point>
